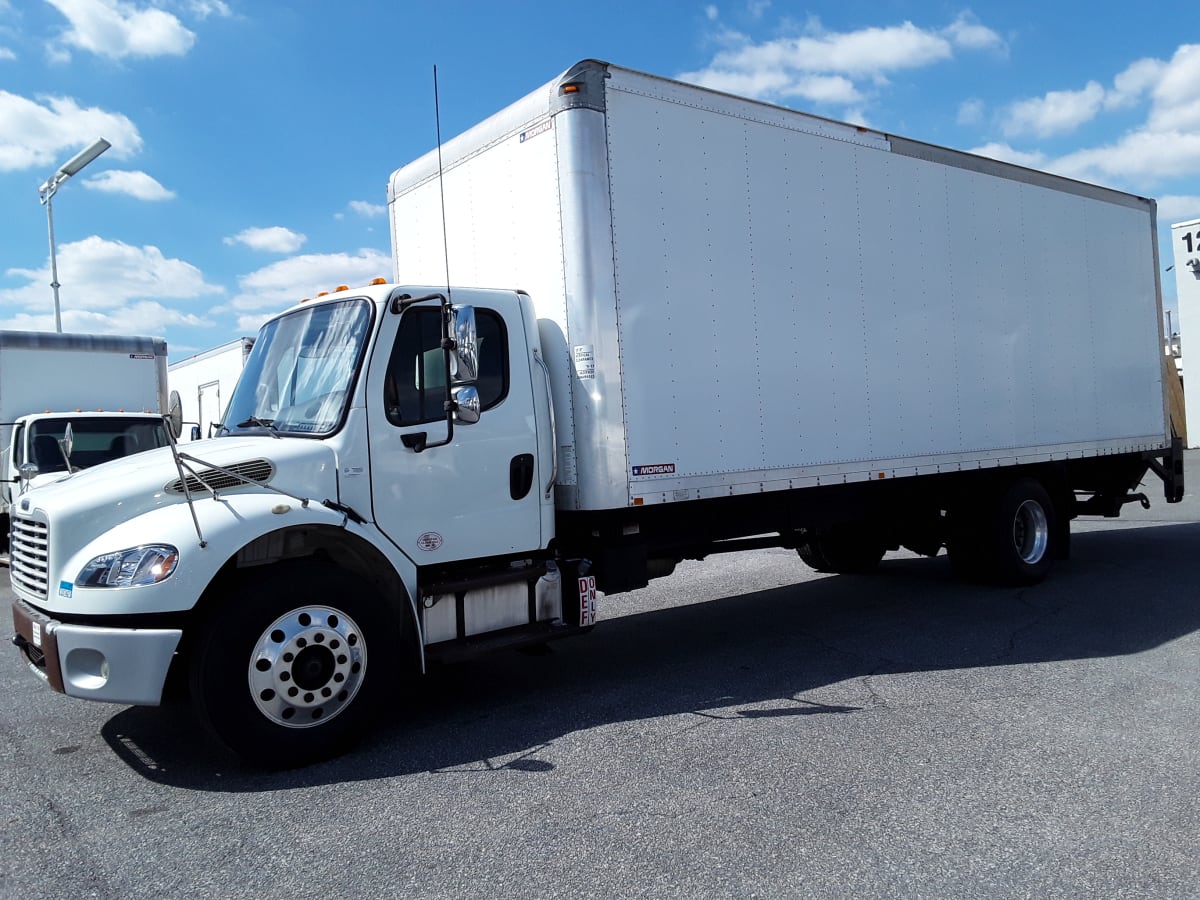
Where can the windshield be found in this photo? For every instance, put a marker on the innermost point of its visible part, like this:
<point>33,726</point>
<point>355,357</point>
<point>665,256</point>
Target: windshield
<point>94,440</point>
<point>300,373</point>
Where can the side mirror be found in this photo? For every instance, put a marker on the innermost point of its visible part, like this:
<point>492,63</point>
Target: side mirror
<point>195,432</point>
<point>464,361</point>
<point>175,415</point>
<point>68,442</point>
<point>467,400</point>
<point>28,472</point>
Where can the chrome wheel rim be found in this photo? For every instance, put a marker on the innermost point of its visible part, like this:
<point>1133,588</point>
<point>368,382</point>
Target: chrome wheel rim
<point>307,666</point>
<point>1031,532</point>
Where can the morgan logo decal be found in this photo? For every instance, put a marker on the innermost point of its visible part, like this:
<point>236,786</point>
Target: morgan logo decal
<point>540,128</point>
<point>430,540</point>
<point>660,469</point>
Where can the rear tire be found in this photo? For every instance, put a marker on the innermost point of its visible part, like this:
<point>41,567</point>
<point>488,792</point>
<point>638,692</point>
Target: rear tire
<point>287,669</point>
<point>1010,537</point>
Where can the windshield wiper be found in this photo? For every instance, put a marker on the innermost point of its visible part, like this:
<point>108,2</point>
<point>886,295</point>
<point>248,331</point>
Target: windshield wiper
<point>255,421</point>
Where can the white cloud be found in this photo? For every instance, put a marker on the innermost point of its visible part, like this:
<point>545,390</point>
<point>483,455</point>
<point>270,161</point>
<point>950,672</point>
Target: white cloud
<point>825,67</point>
<point>965,31</point>
<point>823,89</point>
<point>711,12</point>
<point>1130,86</point>
<point>118,29</point>
<point>369,210</point>
<point>970,112</point>
<point>757,8</point>
<point>47,134</point>
<point>275,239</point>
<point>138,185</point>
<point>284,283</point>
<point>145,317</point>
<point>1143,157</point>
<point>1177,208</point>
<point>6,54</point>
<point>1005,153</point>
<point>202,9</point>
<point>110,287</point>
<point>1055,113</point>
<point>1165,146</point>
<point>1176,96</point>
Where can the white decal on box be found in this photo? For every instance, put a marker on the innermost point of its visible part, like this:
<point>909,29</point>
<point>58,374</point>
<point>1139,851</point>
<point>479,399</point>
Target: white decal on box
<point>585,360</point>
<point>37,634</point>
<point>540,128</point>
<point>657,469</point>
<point>566,464</point>
<point>587,600</point>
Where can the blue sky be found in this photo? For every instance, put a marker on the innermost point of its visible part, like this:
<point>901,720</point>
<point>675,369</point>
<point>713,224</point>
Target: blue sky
<point>252,140</point>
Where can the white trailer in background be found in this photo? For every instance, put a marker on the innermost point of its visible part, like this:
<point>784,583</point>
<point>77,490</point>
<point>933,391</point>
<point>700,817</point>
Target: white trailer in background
<point>205,383</point>
<point>1185,240</point>
<point>712,325</point>
<point>50,372</point>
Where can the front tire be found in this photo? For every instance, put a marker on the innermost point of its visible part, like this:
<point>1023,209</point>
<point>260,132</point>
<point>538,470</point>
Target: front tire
<point>286,669</point>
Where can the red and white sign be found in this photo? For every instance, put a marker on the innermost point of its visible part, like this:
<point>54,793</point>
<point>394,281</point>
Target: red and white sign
<point>587,600</point>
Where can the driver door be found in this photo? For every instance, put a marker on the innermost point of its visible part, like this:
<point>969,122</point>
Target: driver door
<point>478,496</point>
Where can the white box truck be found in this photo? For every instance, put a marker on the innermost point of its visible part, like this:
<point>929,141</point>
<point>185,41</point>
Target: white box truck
<point>712,325</point>
<point>117,383</point>
<point>205,383</point>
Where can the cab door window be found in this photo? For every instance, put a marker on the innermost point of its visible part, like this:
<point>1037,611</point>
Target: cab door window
<point>415,387</point>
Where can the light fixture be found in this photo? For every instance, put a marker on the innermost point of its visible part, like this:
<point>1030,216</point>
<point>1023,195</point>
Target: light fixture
<point>47,191</point>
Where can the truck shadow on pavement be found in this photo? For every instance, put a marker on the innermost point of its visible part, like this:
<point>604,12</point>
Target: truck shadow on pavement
<point>752,656</point>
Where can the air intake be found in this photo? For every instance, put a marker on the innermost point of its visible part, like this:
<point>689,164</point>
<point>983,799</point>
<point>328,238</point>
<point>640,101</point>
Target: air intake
<point>254,471</point>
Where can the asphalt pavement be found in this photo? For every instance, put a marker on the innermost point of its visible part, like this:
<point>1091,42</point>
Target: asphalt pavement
<point>745,728</point>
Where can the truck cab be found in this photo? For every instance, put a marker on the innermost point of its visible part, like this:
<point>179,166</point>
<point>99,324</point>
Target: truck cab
<point>382,487</point>
<point>51,446</point>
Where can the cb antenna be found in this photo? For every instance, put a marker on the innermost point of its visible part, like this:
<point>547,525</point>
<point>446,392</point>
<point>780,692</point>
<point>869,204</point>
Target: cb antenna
<point>437,117</point>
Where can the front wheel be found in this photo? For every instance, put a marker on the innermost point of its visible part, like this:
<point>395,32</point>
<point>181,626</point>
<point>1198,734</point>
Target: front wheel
<point>285,671</point>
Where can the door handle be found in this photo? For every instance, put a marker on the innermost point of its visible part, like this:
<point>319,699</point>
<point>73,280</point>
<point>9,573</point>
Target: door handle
<point>520,475</point>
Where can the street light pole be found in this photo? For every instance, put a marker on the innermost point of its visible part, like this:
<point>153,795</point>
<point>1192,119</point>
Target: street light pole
<point>46,193</point>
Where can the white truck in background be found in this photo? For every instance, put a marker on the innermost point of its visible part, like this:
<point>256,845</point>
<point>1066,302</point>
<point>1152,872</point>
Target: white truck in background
<point>205,383</point>
<point>713,325</point>
<point>113,387</point>
<point>1185,241</point>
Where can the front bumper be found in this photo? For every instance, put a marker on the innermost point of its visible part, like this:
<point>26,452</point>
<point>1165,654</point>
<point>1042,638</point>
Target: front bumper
<point>113,665</point>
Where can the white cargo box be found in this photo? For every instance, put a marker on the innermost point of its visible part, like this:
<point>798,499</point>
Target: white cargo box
<point>746,298</point>
<point>205,382</point>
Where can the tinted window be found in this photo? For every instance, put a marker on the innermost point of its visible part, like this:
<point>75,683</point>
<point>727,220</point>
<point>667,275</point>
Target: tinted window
<point>416,379</point>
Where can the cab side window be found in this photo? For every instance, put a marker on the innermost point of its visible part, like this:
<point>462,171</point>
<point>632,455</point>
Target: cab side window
<point>415,386</point>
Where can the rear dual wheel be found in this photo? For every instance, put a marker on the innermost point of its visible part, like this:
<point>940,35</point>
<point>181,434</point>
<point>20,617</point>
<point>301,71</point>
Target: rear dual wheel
<point>1010,536</point>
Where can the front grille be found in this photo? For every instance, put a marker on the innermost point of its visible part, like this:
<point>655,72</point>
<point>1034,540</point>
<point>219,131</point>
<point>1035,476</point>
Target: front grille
<point>29,556</point>
<point>256,470</point>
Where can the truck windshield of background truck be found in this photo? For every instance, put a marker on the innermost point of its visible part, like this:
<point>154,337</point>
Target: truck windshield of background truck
<point>300,373</point>
<point>95,440</point>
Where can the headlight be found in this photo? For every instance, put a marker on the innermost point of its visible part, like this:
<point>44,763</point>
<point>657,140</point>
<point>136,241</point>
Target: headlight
<point>148,564</point>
